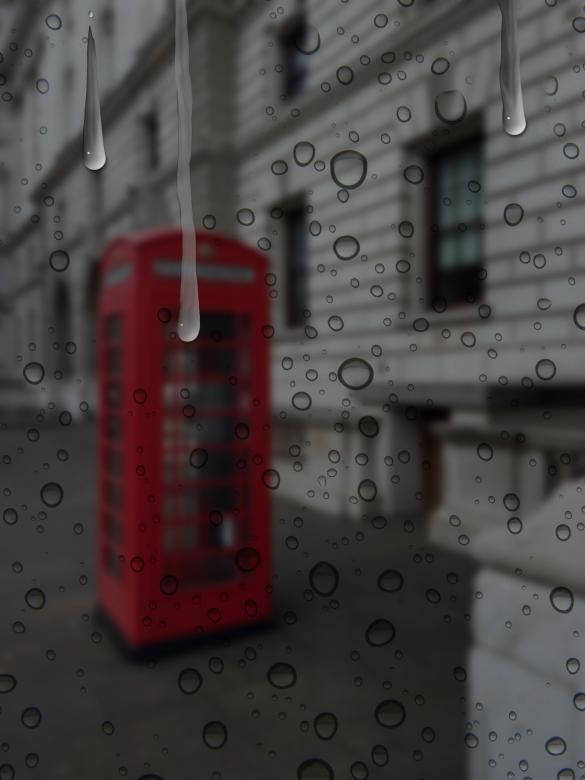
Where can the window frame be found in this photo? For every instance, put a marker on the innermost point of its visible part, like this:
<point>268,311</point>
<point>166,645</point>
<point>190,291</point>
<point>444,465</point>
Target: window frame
<point>469,134</point>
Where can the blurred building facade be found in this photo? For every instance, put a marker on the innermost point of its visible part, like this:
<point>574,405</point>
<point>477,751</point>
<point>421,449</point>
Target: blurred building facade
<point>451,306</point>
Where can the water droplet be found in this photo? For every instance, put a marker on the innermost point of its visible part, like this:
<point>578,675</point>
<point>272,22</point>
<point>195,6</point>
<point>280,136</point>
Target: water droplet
<point>307,40</point>
<point>556,746</point>
<point>198,457</point>
<point>189,322</point>
<point>485,451</point>
<point>511,502</point>
<point>573,665</point>
<point>344,75</point>
<point>42,86</point>
<point>247,559</point>
<point>471,740</point>
<point>302,401</point>
<point>303,153</point>
<point>562,599</point>
<point>51,494</point>
<point>282,675</point>
<point>245,217</point>
<point>348,169</point>
<point>390,581</point>
<point>514,525</point>
<point>271,478</point>
<point>510,81</point>
<point>169,585</point>
<point>94,155</point>
<point>551,85</point>
<point>335,323</point>
<point>7,683</point>
<point>214,734</point>
<point>324,578</point>
<point>346,247</point>
<point>367,490</point>
<point>315,769</point>
<point>31,717</point>
<point>421,324</point>
<point>33,373</point>
<point>279,167</point>
<point>380,632</point>
<point>579,316</point>
<point>10,516</point>
<point>325,725</point>
<point>380,20</point>
<point>35,598</point>
<point>440,66</point>
<point>513,214</point>
<point>368,426</point>
<point>355,373</point>
<point>414,174</point>
<point>390,713</point>
<point>189,681</point>
<point>545,369</point>
<point>579,701</point>
<point>450,106</point>
<point>140,395</point>
<point>53,22</point>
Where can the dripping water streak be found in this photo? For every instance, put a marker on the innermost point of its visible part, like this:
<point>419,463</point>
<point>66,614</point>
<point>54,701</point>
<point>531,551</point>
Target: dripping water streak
<point>510,81</point>
<point>94,154</point>
<point>189,320</point>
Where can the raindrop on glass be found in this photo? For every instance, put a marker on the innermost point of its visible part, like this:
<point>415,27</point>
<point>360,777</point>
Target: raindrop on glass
<point>450,106</point>
<point>214,734</point>
<point>346,247</point>
<point>51,494</point>
<point>562,599</point>
<point>33,373</point>
<point>189,681</point>
<point>355,373</point>
<point>348,169</point>
<point>545,369</point>
<point>390,713</point>
<point>513,214</point>
<point>94,155</point>
<point>282,675</point>
<point>53,22</point>
<point>324,578</point>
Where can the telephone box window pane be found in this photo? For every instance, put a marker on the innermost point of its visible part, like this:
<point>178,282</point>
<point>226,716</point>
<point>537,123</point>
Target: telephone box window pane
<point>114,428</point>
<point>217,360</point>
<point>114,360</point>
<point>215,396</point>
<point>113,394</point>
<point>114,327</point>
<point>218,327</point>
<point>114,462</point>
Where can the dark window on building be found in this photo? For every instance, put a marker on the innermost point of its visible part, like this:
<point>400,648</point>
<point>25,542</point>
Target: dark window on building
<point>151,138</point>
<point>294,62</point>
<point>296,262</point>
<point>456,250</point>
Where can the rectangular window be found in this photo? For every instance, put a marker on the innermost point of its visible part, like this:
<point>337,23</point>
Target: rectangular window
<point>151,140</point>
<point>296,262</point>
<point>456,218</point>
<point>294,61</point>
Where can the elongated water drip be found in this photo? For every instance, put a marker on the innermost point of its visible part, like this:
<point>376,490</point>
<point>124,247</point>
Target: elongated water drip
<point>189,317</point>
<point>510,81</point>
<point>94,154</point>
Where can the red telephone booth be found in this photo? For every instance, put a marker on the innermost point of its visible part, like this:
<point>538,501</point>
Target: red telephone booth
<point>184,515</point>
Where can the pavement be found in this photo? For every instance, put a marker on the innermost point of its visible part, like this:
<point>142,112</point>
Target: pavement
<point>103,715</point>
